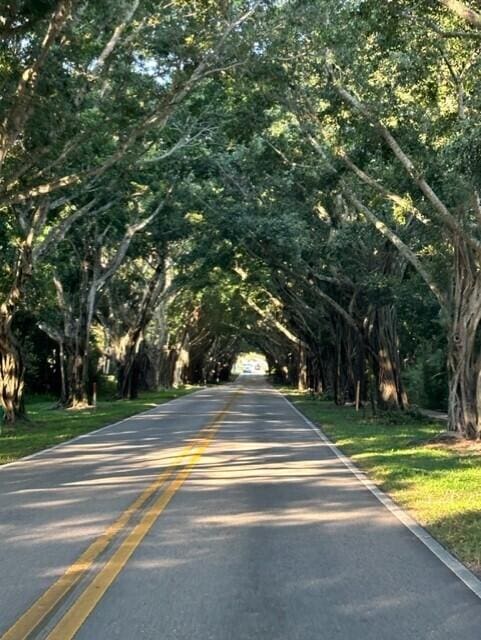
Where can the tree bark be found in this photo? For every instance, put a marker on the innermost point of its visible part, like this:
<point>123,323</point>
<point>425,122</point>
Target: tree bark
<point>464,351</point>
<point>302,382</point>
<point>387,365</point>
<point>63,377</point>
<point>181,362</point>
<point>462,10</point>
<point>11,373</point>
<point>12,366</point>
<point>128,369</point>
<point>77,372</point>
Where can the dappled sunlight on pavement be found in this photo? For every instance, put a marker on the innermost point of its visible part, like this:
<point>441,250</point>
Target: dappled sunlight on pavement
<point>270,536</point>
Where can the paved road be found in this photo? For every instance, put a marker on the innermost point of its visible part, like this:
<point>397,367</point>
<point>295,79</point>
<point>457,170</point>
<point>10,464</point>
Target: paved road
<point>258,532</point>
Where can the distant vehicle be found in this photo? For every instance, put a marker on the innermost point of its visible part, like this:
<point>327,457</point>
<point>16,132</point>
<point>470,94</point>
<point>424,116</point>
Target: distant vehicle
<point>258,367</point>
<point>247,368</point>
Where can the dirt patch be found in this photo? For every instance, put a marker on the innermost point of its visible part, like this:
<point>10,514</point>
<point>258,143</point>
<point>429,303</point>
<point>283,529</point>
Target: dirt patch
<point>455,444</point>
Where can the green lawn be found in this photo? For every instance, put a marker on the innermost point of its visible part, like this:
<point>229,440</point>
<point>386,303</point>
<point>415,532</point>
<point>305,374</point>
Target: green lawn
<point>439,484</point>
<point>48,426</point>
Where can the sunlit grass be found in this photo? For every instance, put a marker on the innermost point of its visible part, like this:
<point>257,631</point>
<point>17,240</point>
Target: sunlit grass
<point>48,426</point>
<point>439,484</point>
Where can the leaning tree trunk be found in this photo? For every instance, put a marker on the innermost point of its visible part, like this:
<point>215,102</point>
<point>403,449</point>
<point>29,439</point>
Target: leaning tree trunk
<point>464,349</point>
<point>11,372</point>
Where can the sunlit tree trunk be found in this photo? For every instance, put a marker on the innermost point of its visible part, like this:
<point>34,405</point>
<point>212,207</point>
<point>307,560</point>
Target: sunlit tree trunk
<point>11,372</point>
<point>78,396</point>
<point>77,375</point>
<point>181,362</point>
<point>387,364</point>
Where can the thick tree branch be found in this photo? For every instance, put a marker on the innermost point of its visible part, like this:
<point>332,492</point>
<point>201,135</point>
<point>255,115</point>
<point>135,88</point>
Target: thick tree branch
<point>403,249</point>
<point>158,118</point>
<point>18,115</point>
<point>462,10</point>
<point>97,65</point>
<point>442,213</point>
<point>380,188</point>
<point>121,252</point>
<point>58,232</point>
<point>265,315</point>
<point>406,162</point>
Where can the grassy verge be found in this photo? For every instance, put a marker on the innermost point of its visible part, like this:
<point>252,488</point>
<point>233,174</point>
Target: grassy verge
<point>439,484</point>
<point>48,426</point>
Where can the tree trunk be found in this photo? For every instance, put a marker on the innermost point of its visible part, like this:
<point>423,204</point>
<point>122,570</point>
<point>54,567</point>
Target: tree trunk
<point>181,361</point>
<point>339,398</point>
<point>77,368</point>
<point>12,367</point>
<point>302,374</point>
<point>181,364</point>
<point>128,369</point>
<point>464,351</point>
<point>387,364</point>
<point>11,373</point>
<point>77,393</point>
<point>63,377</point>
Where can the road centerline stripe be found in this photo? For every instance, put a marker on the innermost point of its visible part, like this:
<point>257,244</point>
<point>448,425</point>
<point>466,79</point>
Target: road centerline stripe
<point>74,618</point>
<point>26,624</point>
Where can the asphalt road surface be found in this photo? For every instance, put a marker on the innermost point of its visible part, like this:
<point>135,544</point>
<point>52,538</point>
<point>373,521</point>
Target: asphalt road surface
<point>218,516</point>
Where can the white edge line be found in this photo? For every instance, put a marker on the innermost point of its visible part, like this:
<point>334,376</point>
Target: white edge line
<point>463,573</point>
<point>25,459</point>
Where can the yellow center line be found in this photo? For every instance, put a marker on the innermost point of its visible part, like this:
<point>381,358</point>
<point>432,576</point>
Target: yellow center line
<point>54,594</point>
<point>42,607</point>
<point>71,622</point>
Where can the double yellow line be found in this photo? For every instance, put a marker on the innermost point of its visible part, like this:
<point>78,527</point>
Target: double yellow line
<point>73,619</point>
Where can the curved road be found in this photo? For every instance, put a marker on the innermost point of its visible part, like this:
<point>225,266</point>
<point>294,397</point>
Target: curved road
<point>218,516</point>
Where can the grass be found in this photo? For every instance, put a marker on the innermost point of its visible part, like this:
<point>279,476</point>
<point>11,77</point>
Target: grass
<point>48,426</point>
<point>439,484</point>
